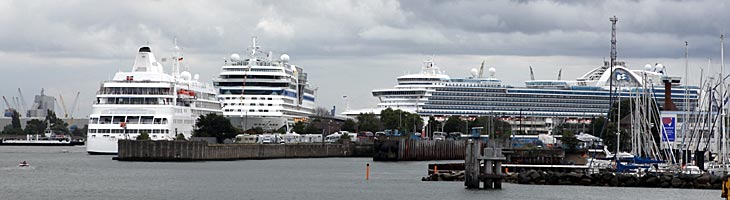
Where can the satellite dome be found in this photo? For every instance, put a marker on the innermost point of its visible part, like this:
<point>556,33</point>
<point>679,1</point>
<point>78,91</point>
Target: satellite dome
<point>235,56</point>
<point>474,72</point>
<point>196,77</point>
<point>647,67</point>
<point>659,66</point>
<point>185,75</point>
<point>492,71</point>
<point>284,57</point>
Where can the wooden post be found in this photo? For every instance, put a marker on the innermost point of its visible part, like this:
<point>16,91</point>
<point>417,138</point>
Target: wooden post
<point>471,166</point>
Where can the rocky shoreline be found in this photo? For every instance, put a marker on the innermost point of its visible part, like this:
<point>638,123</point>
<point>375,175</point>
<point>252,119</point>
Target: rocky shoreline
<point>609,179</point>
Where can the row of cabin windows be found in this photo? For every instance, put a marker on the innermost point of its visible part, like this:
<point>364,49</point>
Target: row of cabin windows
<point>251,104</point>
<point>127,119</point>
<point>250,110</point>
<point>252,98</point>
<point>130,131</point>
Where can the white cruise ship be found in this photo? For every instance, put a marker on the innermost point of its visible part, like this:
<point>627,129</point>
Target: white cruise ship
<point>411,92</point>
<point>260,91</point>
<point>146,99</point>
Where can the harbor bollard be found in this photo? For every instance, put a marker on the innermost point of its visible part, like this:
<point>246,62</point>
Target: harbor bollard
<point>367,171</point>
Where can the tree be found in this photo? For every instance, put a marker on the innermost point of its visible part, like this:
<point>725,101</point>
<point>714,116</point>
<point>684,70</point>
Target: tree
<point>344,138</point>
<point>299,127</point>
<point>454,124</point>
<point>58,126</point>
<point>143,136</point>
<point>35,127</point>
<point>180,137</point>
<point>570,141</point>
<point>311,129</point>
<point>9,130</point>
<point>391,119</point>
<point>16,120</point>
<point>213,125</point>
<point>349,125</point>
<point>368,122</point>
<point>14,127</point>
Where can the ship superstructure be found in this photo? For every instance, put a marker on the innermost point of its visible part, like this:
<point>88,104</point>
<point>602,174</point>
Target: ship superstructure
<point>146,99</point>
<point>258,91</point>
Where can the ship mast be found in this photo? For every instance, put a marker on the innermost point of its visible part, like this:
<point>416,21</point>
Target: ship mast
<point>613,21</point>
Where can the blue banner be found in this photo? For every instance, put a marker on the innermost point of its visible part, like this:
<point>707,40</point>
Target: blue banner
<point>670,125</point>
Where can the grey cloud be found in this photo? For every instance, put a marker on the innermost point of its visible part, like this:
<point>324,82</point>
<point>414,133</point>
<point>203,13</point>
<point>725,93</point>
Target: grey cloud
<point>377,40</point>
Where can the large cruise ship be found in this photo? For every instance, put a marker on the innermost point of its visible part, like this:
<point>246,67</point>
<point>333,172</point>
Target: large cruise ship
<point>541,104</point>
<point>410,94</point>
<point>260,91</point>
<point>534,108</point>
<point>146,99</point>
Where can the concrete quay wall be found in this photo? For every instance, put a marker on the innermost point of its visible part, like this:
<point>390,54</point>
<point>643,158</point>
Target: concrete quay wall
<point>131,150</point>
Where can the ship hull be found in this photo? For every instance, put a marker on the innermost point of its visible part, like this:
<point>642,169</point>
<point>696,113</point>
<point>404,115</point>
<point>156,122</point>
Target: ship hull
<point>266,123</point>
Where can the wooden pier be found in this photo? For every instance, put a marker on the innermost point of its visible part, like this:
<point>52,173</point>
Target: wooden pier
<point>483,166</point>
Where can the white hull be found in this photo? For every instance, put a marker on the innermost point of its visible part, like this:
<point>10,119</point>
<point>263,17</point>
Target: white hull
<point>101,145</point>
<point>266,123</point>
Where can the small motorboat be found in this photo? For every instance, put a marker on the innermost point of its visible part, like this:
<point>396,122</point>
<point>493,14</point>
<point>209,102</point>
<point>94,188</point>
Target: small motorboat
<point>23,164</point>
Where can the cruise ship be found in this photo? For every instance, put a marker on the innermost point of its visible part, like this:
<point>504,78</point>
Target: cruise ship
<point>258,91</point>
<point>541,104</point>
<point>146,99</point>
<point>410,94</point>
<point>534,108</point>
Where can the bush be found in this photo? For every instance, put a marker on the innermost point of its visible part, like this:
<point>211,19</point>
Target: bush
<point>143,136</point>
<point>180,136</point>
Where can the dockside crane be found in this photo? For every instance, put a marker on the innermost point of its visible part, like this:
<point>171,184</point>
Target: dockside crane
<point>9,109</point>
<point>24,107</point>
<point>481,70</point>
<point>63,105</point>
<point>16,102</point>
<point>74,106</point>
<point>560,73</point>
<point>532,74</point>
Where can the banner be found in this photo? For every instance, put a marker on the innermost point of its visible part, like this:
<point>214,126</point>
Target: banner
<point>669,127</point>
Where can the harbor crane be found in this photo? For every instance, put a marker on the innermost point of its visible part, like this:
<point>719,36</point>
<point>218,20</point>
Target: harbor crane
<point>74,106</point>
<point>63,105</point>
<point>7,104</point>
<point>481,70</point>
<point>560,73</point>
<point>532,74</point>
<point>24,107</point>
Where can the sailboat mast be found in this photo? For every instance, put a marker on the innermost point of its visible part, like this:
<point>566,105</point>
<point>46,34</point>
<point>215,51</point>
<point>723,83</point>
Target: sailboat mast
<point>722,115</point>
<point>685,120</point>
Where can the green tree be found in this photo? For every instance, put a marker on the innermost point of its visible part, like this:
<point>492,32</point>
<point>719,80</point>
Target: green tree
<point>16,120</point>
<point>570,141</point>
<point>14,127</point>
<point>299,127</point>
<point>311,129</point>
<point>143,136</point>
<point>454,124</point>
<point>9,130</point>
<point>349,125</point>
<point>368,122</point>
<point>212,125</point>
<point>35,127</point>
<point>180,137</point>
<point>58,126</point>
<point>344,138</point>
<point>391,119</point>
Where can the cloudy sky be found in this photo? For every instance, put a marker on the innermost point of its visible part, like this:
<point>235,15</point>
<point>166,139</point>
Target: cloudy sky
<point>349,47</point>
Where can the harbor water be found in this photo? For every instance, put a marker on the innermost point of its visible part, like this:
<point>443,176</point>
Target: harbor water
<point>69,173</point>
